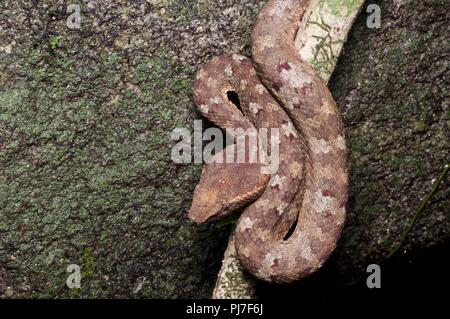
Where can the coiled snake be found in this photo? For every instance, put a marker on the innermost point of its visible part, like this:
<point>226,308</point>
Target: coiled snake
<point>292,218</point>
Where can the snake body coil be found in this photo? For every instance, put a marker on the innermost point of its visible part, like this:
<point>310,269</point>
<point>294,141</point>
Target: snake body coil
<point>292,218</point>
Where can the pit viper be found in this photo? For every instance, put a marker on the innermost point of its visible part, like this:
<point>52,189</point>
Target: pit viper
<point>292,218</point>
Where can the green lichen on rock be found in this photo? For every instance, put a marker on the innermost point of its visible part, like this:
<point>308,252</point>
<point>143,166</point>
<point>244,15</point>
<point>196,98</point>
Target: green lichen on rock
<point>341,7</point>
<point>85,170</point>
<point>324,28</point>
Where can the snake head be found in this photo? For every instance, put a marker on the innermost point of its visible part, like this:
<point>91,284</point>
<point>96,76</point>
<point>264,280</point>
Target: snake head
<point>225,188</point>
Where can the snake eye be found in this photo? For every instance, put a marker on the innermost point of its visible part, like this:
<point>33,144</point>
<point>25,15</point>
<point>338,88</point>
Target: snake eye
<point>233,97</point>
<point>291,230</point>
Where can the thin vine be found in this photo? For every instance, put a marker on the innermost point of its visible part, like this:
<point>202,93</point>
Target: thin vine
<point>418,211</point>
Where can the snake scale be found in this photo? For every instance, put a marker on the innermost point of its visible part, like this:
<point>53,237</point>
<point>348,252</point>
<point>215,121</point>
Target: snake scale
<point>291,219</point>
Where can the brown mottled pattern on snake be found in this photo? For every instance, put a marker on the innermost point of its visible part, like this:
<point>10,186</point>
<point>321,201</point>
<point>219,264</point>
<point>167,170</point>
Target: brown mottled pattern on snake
<point>311,183</point>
